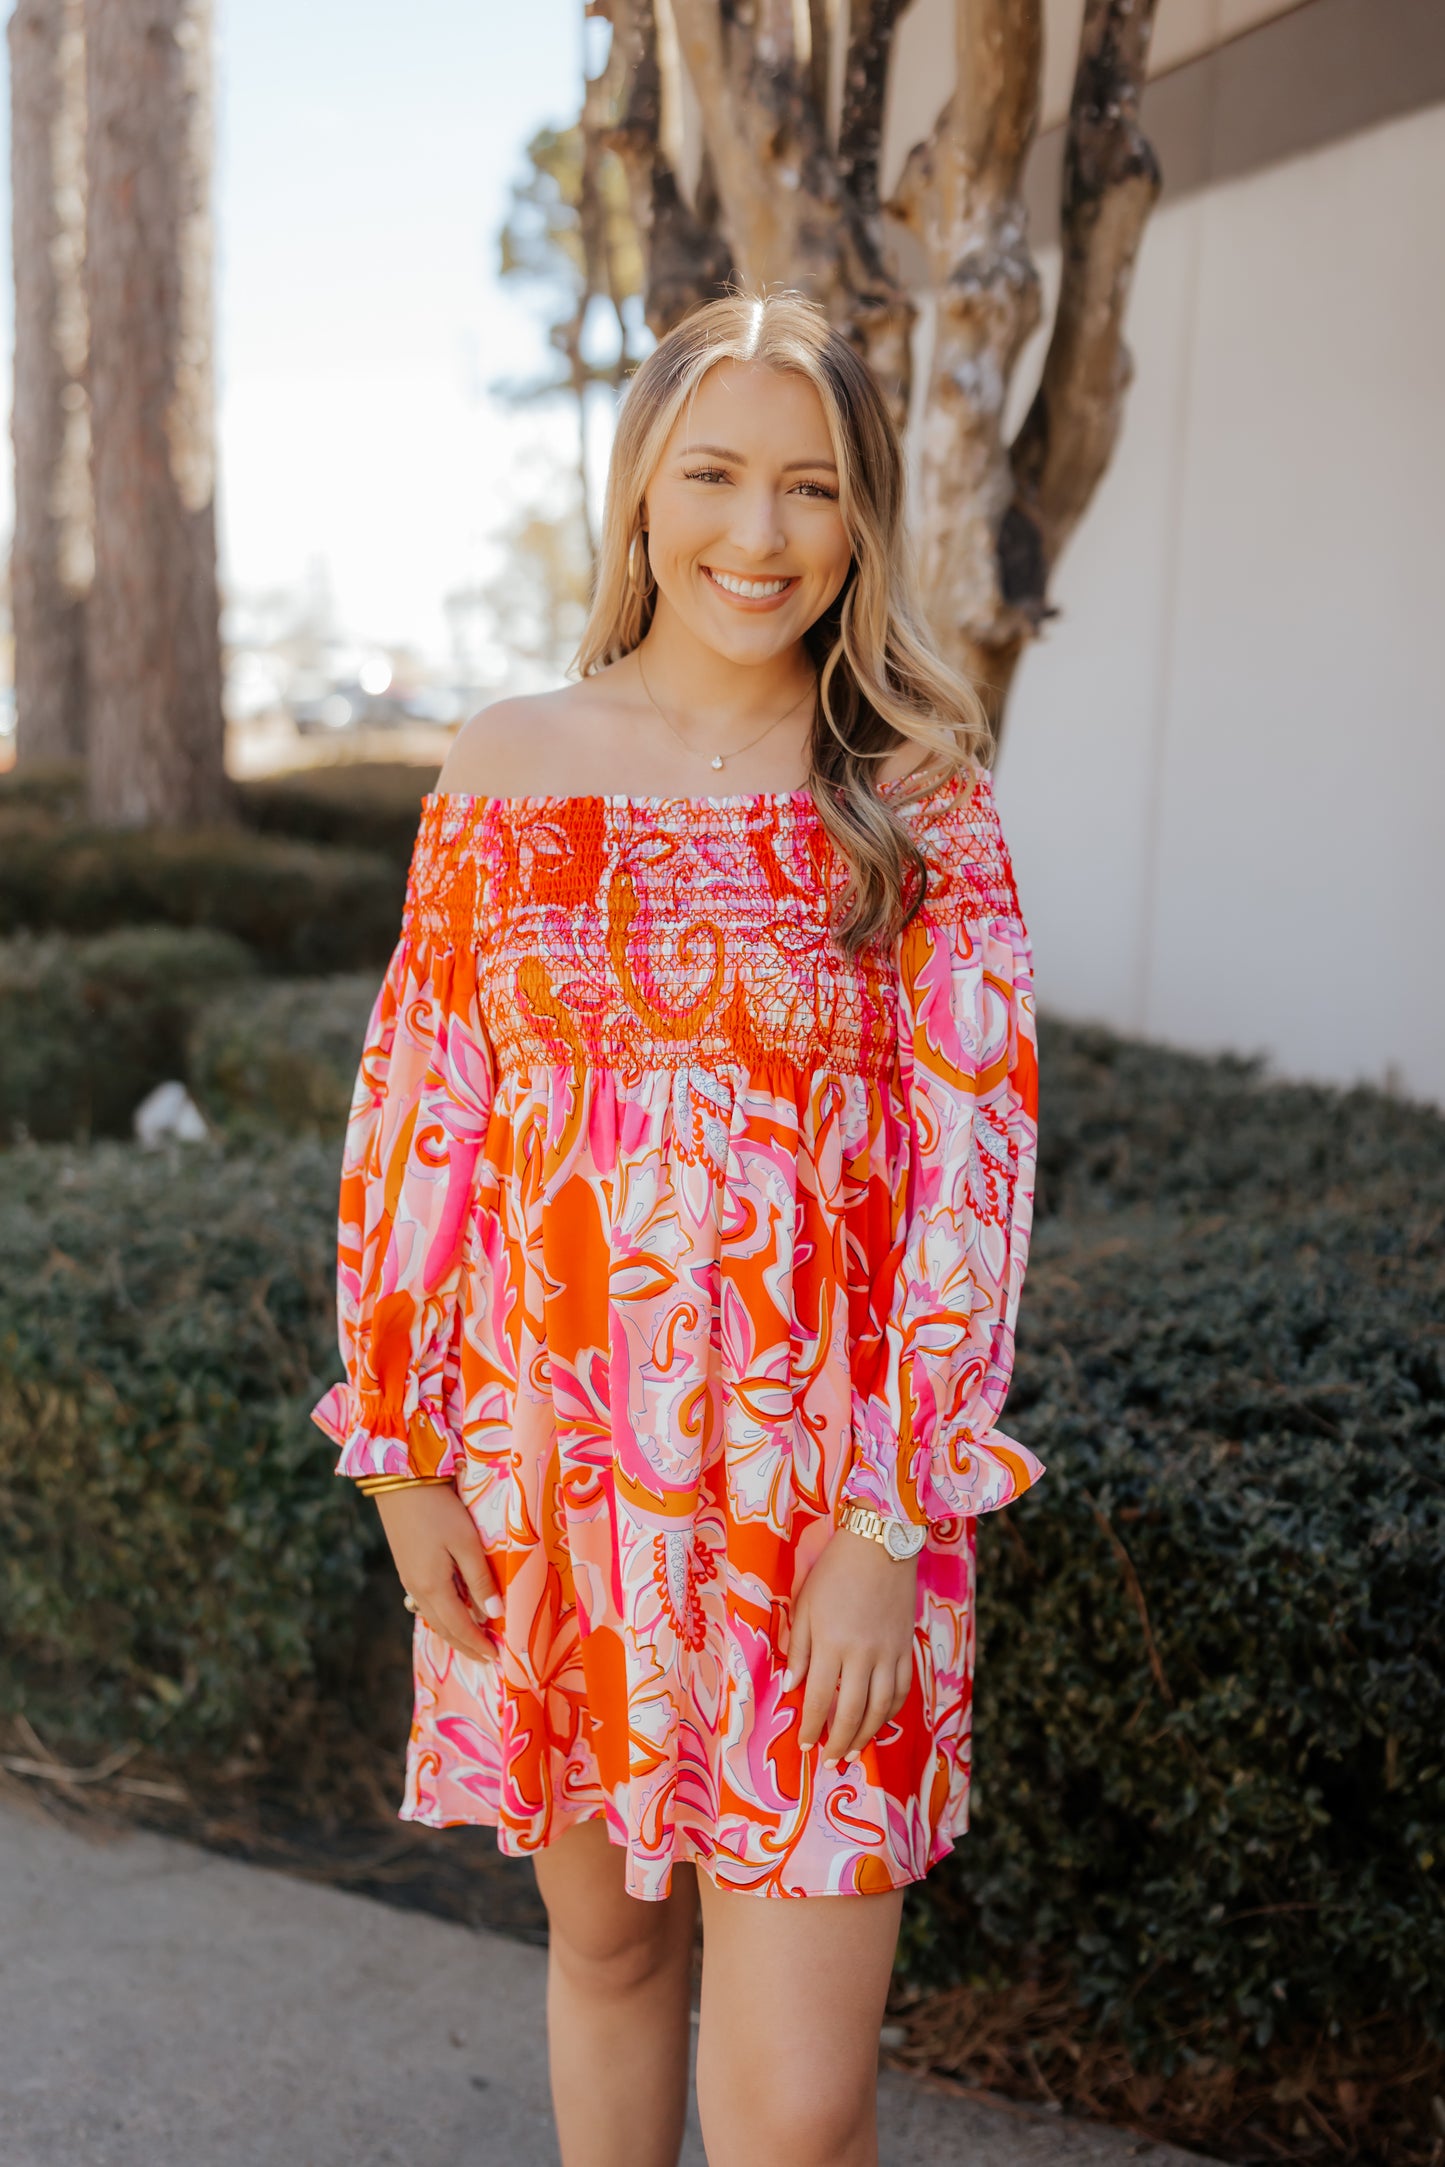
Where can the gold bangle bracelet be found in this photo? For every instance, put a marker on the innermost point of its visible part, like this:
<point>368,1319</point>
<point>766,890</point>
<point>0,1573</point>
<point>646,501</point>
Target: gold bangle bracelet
<point>378,1485</point>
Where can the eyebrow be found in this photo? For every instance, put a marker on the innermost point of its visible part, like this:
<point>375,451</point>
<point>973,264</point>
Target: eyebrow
<point>720,451</point>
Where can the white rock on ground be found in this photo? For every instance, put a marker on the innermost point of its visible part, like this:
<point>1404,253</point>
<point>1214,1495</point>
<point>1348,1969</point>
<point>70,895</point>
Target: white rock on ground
<point>162,2007</point>
<point>169,1111</point>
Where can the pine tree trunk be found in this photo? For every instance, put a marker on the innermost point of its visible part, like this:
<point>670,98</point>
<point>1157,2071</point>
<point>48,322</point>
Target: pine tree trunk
<point>51,558</point>
<point>157,737</point>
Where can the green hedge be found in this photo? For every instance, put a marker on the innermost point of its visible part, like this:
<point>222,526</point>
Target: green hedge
<point>52,790</point>
<point>366,804</point>
<point>179,1561</point>
<point>302,907</point>
<point>88,1027</point>
<point>1127,1123</point>
<point>1210,1778</point>
<point>370,805</point>
<point>282,1055</point>
<point>1210,1754</point>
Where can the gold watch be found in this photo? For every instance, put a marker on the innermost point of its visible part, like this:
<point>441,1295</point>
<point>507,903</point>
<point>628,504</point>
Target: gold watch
<point>902,1539</point>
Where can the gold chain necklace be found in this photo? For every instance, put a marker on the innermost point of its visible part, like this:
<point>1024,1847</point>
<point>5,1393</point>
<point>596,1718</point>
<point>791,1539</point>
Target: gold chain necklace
<point>718,758</point>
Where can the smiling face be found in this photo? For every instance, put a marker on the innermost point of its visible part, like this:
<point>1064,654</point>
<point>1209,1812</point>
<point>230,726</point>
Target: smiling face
<point>744,534</point>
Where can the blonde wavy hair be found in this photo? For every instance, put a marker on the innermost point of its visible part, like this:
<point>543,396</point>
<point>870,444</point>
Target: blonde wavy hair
<point>881,681</point>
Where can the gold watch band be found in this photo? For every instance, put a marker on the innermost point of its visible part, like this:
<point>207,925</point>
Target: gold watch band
<point>862,1520</point>
<point>900,1538</point>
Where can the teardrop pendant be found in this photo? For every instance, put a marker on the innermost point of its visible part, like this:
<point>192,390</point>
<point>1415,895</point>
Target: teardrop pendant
<point>717,759</point>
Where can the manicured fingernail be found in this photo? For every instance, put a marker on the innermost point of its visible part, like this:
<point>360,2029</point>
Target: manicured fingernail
<point>789,1681</point>
<point>493,1606</point>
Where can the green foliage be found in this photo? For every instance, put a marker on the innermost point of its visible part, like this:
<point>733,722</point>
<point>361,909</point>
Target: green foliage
<point>1211,1680</point>
<point>179,1561</point>
<point>366,804</point>
<point>570,228</point>
<point>88,1027</point>
<point>1125,1123</point>
<point>52,790</point>
<point>282,1055</point>
<point>303,907</point>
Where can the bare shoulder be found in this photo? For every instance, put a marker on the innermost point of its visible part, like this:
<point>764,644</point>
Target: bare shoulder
<point>514,748</point>
<point>899,764</point>
<point>903,766</point>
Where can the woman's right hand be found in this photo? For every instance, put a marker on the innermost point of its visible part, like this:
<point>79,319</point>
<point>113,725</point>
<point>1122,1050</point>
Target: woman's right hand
<point>441,1563</point>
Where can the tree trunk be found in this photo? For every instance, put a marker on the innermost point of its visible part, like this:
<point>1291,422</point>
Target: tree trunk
<point>685,255</point>
<point>990,518</point>
<point>51,561</point>
<point>1111,182</point>
<point>796,210</point>
<point>961,195</point>
<point>157,740</point>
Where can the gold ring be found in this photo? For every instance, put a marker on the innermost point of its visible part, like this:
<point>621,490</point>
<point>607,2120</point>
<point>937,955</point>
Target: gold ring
<point>409,1603</point>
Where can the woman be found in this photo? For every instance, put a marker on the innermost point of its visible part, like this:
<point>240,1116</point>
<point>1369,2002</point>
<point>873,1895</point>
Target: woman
<point>684,1214</point>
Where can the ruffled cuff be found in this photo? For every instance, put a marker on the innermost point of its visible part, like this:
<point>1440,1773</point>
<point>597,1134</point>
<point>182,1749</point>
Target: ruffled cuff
<point>960,1475</point>
<point>374,1440</point>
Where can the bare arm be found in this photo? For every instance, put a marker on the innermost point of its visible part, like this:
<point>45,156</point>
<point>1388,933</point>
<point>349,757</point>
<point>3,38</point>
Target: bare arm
<point>852,1640</point>
<point>440,1562</point>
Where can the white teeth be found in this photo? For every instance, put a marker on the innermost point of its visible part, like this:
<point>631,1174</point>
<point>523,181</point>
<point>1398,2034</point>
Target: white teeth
<point>750,589</point>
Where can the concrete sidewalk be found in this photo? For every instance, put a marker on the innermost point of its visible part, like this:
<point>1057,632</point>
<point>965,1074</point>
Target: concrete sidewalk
<point>162,2007</point>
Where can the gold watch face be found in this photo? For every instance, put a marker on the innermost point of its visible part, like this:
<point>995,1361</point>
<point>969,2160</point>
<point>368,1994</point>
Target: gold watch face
<point>902,1540</point>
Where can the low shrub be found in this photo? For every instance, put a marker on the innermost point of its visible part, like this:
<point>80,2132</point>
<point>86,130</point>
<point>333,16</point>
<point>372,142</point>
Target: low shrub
<point>51,790</point>
<point>366,804</point>
<point>283,1054</point>
<point>179,1563</point>
<point>88,1027</point>
<point>302,907</point>
<point>1211,1678</point>
<point>1124,1123</point>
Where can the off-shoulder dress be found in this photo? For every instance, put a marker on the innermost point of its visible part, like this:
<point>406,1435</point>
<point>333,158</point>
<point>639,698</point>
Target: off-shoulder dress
<point>666,1230</point>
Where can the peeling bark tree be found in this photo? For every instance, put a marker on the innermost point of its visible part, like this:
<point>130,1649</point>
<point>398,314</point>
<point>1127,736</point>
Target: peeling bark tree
<point>797,202</point>
<point>156,730</point>
<point>684,252</point>
<point>51,558</point>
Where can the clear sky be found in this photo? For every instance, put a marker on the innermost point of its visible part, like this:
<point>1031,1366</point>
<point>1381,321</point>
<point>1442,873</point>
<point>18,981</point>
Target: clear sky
<point>363,157</point>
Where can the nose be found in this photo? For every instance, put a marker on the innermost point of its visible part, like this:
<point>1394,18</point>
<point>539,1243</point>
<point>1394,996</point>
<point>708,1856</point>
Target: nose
<point>756,529</point>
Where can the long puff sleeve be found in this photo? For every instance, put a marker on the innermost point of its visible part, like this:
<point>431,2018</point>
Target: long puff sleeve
<point>930,1385</point>
<point>416,1126</point>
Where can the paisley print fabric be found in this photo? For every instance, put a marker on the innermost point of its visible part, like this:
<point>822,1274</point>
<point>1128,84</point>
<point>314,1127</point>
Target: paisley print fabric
<point>666,1230</point>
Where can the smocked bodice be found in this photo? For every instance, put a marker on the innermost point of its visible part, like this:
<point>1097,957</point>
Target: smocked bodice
<point>635,934</point>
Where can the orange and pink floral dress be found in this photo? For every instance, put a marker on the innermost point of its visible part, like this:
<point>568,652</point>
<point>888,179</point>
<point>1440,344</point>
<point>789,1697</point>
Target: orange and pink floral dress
<point>666,1230</point>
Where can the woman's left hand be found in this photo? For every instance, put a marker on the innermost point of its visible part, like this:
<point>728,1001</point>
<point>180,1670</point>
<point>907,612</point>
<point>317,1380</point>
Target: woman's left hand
<point>852,1635</point>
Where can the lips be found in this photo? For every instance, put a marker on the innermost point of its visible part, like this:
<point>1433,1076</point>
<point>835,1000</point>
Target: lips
<point>750,590</point>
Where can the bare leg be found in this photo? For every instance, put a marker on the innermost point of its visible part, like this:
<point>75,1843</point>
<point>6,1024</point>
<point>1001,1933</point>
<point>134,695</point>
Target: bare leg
<point>793,1990</point>
<point>619,2000</point>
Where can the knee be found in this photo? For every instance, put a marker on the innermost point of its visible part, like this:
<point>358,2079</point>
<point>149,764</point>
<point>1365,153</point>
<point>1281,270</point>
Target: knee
<point>810,2118</point>
<point>614,1954</point>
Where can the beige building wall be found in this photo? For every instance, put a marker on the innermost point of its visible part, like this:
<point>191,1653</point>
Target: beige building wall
<point>921,79</point>
<point>1224,775</point>
<point>1224,778</point>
